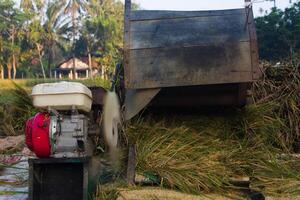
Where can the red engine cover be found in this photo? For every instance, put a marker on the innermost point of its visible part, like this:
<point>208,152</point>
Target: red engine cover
<point>37,135</point>
<point>28,133</point>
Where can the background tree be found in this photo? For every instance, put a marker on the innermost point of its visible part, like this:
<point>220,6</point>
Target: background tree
<point>55,29</point>
<point>104,25</point>
<point>86,45</point>
<point>36,42</point>
<point>279,33</point>
<point>39,34</point>
<point>74,8</point>
<point>12,21</point>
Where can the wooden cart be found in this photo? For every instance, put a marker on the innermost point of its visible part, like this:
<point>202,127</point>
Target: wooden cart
<point>188,58</point>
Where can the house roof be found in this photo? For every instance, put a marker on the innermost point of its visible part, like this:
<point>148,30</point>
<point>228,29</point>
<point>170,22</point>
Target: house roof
<point>80,64</point>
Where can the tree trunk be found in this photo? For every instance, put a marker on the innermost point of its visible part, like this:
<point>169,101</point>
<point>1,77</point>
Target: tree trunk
<point>14,65</point>
<point>102,72</point>
<point>292,50</point>
<point>90,64</point>
<point>74,33</point>
<point>13,53</point>
<point>40,59</point>
<point>9,70</point>
<point>1,72</point>
<point>50,62</point>
<point>74,68</point>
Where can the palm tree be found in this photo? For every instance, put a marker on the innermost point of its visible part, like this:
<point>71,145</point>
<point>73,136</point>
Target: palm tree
<point>32,5</point>
<point>93,8</point>
<point>34,30</point>
<point>74,8</point>
<point>55,30</point>
<point>27,5</point>
<point>104,28</point>
<point>274,1</point>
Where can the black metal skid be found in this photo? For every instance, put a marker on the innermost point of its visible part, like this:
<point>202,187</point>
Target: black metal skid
<point>58,178</point>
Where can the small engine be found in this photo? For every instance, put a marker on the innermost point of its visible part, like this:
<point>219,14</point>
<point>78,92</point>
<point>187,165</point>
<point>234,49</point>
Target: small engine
<point>62,129</point>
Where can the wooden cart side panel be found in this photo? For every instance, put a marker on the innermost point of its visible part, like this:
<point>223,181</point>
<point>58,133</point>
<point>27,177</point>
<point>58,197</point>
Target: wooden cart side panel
<point>187,31</point>
<point>195,65</point>
<point>169,49</point>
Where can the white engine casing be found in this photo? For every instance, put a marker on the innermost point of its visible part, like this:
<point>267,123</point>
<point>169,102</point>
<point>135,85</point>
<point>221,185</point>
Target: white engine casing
<point>62,96</point>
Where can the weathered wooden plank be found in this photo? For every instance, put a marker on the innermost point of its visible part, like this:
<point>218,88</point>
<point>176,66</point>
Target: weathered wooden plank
<point>194,65</point>
<point>131,164</point>
<point>127,40</point>
<point>187,31</point>
<point>257,73</point>
<point>157,14</point>
<point>127,24</point>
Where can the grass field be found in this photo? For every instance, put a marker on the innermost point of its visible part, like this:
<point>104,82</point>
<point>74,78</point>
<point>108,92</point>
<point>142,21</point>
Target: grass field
<point>8,84</point>
<point>28,83</point>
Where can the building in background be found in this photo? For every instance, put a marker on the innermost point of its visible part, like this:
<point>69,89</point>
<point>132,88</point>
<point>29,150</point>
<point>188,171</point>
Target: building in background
<point>65,69</point>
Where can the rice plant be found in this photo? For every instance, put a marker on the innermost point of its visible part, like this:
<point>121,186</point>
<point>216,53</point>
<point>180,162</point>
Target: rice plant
<point>108,192</point>
<point>200,154</point>
<point>200,159</point>
<point>15,110</point>
<point>280,85</point>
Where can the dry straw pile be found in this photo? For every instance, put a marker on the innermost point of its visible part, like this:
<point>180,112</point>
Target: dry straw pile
<point>198,154</point>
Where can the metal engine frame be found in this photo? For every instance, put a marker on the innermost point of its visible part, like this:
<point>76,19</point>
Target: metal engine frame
<point>69,135</point>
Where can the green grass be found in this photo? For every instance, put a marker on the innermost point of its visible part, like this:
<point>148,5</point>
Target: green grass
<point>8,84</point>
<point>12,192</point>
<point>96,82</point>
<point>28,83</point>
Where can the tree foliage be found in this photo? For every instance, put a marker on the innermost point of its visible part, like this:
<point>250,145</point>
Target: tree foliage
<point>11,29</point>
<point>39,34</point>
<point>102,32</point>
<point>279,33</point>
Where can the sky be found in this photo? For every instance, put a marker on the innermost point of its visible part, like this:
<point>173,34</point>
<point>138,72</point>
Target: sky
<point>210,4</point>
